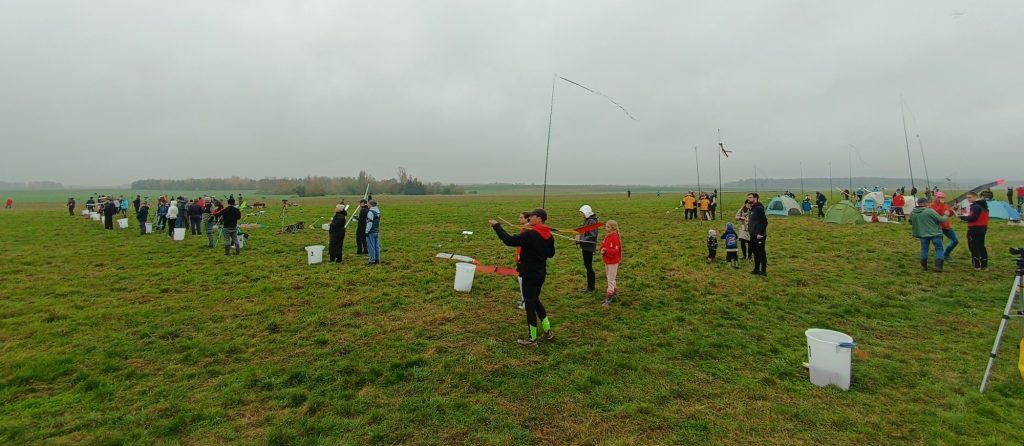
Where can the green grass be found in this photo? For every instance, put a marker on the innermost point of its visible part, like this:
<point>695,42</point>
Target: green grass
<point>108,337</point>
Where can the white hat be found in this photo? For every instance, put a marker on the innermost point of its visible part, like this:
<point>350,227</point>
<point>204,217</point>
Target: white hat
<point>339,208</point>
<point>712,233</point>
<point>585,209</point>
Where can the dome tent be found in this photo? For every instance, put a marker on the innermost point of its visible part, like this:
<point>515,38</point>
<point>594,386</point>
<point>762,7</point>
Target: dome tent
<point>843,212</point>
<point>782,206</point>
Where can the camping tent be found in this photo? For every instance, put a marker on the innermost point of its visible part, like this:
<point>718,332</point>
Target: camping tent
<point>782,206</point>
<point>997,210</point>
<point>873,201</point>
<point>843,212</point>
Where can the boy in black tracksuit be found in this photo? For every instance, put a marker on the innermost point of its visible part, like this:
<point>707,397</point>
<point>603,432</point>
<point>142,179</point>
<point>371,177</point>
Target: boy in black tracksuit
<point>361,215</point>
<point>537,247</point>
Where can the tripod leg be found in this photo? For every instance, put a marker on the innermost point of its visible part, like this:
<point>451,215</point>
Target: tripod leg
<point>999,334</point>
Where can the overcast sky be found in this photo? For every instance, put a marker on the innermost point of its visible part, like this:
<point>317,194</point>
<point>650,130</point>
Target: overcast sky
<point>104,92</point>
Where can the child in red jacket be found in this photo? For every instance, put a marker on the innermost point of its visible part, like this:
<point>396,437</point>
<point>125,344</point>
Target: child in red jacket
<point>611,253</point>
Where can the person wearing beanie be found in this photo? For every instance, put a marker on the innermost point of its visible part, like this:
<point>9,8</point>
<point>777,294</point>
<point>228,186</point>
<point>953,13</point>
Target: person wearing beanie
<point>229,217</point>
<point>712,244</point>
<point>587,243</point>
<point>977,226</point>
<point>360,218</point>
<point>611,254</point>
<point>142,215</point>
<point>757,226</point>
<point>337,233</point>
<point>731,246</point>
<point>538,245</point>
<point>940,207</point>
<point>924,225</point>
<point>373,233</point>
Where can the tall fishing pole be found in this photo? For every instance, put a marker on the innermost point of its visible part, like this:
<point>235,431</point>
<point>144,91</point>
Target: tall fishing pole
<point>923,160</point>
<point>755,178</point>
<point>849,159</point>
<point>906,139</point>
<point>830,187</point>
<point>802,178</point>
<point>547,150</point>
<point>551,113</point>
<point>697,157</point>
<point>721,151</point>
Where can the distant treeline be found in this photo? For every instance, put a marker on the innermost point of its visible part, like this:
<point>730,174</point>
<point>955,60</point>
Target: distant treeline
<point>30,185</point>
<point>405,184</point>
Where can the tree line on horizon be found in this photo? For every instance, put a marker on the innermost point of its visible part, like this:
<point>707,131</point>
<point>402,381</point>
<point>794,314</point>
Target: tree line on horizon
<point>310,186</point>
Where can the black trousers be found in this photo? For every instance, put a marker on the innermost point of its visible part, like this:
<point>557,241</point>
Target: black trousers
<point>760,257</point>
<point>743,247</point>
<point>361,241</point>
<point>170,226</point>
<point>531,296</point>
<point>588,263</point>
<point>108,222</point>
<point>142,226</point>
<point>976,243</point>
<point>821,212</point>
<point>334,247</point>
<point>194,223</point>
<point>71,211</point>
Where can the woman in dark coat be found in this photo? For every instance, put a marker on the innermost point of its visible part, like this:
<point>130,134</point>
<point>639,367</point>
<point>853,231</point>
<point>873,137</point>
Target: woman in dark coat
<point>337,233</point>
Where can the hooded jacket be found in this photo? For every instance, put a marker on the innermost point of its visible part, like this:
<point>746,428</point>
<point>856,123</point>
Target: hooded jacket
<point>589,236</point>
<point>757,221</point>
<point>978,218</point>
<point>612,247</point>
<point>337,227</point>
<point>538,246</point>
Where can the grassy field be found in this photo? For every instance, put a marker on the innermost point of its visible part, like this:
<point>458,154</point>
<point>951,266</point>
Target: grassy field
<point>109,337</point>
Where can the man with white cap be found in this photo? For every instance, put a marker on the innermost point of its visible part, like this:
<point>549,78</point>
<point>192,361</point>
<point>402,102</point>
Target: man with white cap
<point>337,233</point>
<point>587,242</point>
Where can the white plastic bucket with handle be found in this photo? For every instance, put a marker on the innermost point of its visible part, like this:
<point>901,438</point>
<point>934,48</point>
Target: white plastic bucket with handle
<point>828,353</point>
<point>94,216</point>
<point>464,273</point>
<point>179,234</point>
<point>122,223</point>
<point>149,228</point>
<point>326,226</point>
<point>314,254</point>
<point>85,212</point>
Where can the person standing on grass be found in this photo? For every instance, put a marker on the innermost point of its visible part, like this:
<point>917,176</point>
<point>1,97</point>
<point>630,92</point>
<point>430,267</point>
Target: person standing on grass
<point>611,255</point>
<point>743,233</point>
<point>820,201</point>
<point>361,227</point>
<point>142,214</point>
<point>712,243</point>
<point>124,207</point>
<point>925,224</point>
<point>71,206</point>
<point>705,204</point>
<point>195,216</point>
<point>758,227</point>
<point>109,211</point>
<point>161,215</point>
<point>713,203</point>
<point>731,241</point>
<point>373,233</point>
<point>587,243</point>
<point>209,221</point>
<point>229,217</point>
<point>689,206</point>
<point>940,207</point>
<point>524,221</point>
<point>1020,197</point>
<point>171,217</point>
<point>137,202</point>
<point>337,233</point>
<point>538,246</point>
<point>977,226</point>
<point>1009,196</point>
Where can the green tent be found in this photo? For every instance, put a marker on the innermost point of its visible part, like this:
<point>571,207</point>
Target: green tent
<point>843,212</point>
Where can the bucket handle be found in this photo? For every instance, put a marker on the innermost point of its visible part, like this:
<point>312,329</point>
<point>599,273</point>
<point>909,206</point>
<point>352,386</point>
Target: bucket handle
<point>849,345</point>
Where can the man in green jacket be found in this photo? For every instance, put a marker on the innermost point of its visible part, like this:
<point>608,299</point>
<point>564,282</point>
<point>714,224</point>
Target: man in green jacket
<point>925,225</point>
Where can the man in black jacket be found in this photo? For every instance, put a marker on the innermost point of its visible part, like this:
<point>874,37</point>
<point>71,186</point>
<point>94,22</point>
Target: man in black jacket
<point>537,247</point>
<point>820,201</point>
<point>364,209</point>
<point>757,225</point>
<point>229,217</point>
<point>109,210</point>
<point>337,233</point>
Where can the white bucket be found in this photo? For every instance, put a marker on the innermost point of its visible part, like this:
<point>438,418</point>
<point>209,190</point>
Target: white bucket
<point>179,234</point>
<point>241,241</point>
<point>326,226</point>
<point>828,353</point>
<point>85,212</point>
<point>149,228</point>
<point>122,223</point>
<point>94,216</point>
<point>464,273</point>
<point>315,254</point>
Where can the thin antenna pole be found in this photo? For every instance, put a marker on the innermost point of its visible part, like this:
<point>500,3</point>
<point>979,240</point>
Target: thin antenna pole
<point>697,157</point>
<point>802,179</point>
<point>721,192</point>
<point>547,151</point>
<point>923,160</point>
<point>849,159</point>
<point>755,178</point>
<point>831,188</point>
<point>906,139</point>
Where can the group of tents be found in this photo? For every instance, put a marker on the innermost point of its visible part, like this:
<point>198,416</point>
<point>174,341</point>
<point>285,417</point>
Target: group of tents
<point>847,212</point>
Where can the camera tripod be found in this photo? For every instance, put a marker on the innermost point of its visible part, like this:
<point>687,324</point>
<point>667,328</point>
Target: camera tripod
<point>1016,295</point>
